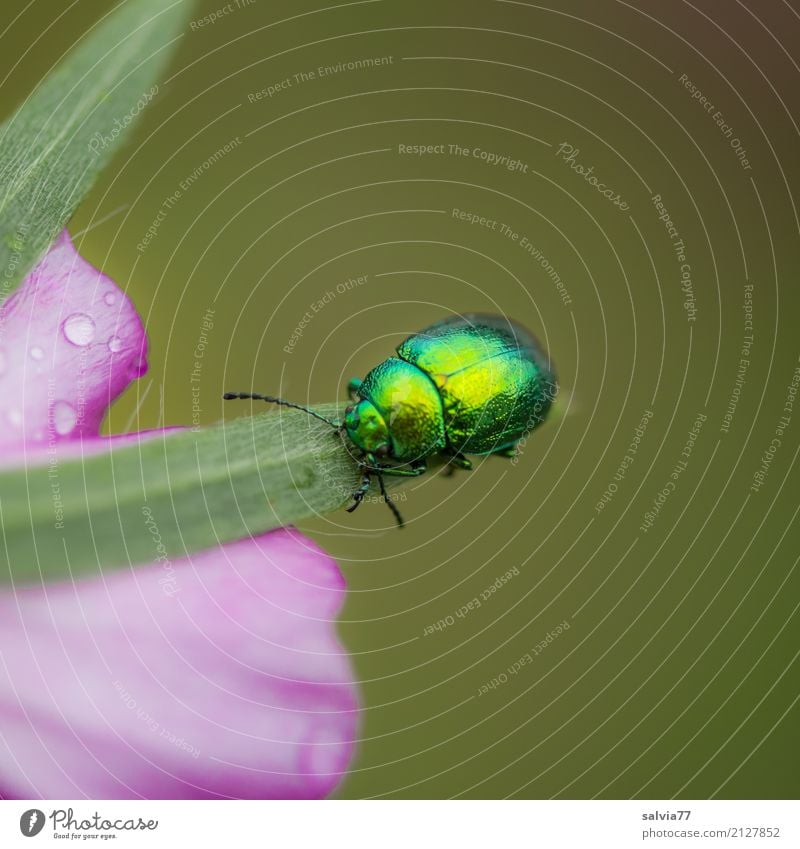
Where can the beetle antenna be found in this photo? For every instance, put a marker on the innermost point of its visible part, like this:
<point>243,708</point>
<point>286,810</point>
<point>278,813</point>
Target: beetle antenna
<point>270,399</point>
<point>389,503</point>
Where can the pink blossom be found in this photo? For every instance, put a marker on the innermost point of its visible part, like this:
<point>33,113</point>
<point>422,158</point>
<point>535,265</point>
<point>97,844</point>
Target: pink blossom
<point>70,343</point>
<point>216,675</point>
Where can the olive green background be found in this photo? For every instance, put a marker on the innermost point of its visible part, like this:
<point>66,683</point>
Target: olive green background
<point>678,675</point>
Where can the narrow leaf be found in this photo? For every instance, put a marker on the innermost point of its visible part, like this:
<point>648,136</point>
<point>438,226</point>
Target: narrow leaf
<point>170,495</point>
<point>54,146</point>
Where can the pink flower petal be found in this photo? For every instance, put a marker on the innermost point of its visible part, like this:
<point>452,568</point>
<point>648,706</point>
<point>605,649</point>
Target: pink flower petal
<point>217,676</point>
<point>70,343</point>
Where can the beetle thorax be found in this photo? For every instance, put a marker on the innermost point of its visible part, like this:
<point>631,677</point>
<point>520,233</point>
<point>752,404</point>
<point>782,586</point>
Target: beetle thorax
<point>399,411</point>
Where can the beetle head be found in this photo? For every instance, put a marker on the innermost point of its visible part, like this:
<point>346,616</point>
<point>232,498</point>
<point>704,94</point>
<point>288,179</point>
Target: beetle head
<point>367,428</point>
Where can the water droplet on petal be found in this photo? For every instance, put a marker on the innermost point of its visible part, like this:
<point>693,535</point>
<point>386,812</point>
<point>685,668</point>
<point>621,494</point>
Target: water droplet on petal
<point>3,362</point>
<point>79,329</point>
<point>109,298</point>
<point>114,344</point>
<point>64,417</point>
<point>15,417</point>
<point>37,353</point>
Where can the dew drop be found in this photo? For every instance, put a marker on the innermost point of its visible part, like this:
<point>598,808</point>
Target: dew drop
<point>64,417</point>
<point>79,329</point>
<point>109,298</point>
<point>114,344</point>
<point>3,362</point>
<point>37,353</point>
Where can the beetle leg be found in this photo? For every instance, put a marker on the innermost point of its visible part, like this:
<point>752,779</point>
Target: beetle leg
<point>511,451</point>
<point>462,462</point>
<point>352,388</point>
<point>457,460</point>
<point>358,495</point>
<point>361,492</point>
<point>389,503</point>
<point>398,472</point>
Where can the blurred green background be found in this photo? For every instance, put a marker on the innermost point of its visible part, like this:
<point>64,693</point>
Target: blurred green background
<point>678,673</point>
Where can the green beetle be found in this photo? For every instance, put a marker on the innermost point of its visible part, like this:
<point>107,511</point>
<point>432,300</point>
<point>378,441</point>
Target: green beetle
<point>472,384</point>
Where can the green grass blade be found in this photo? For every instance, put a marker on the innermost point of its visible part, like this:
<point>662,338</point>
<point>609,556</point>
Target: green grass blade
<point>54,146</point>
<point>174,494</point>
